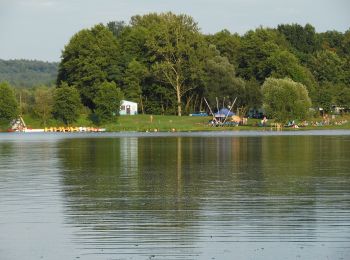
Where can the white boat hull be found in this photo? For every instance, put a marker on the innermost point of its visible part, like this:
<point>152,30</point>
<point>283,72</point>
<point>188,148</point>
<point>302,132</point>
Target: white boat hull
<point>33,130</point>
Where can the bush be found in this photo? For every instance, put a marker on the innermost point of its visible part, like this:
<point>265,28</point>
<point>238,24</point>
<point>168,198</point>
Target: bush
<point>67,104</point>
<point>284,99</point>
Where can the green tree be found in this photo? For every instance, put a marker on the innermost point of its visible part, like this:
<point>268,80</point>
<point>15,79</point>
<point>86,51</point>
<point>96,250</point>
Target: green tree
<point>343,97</point>
<point>221,80</point>
<point>256,47</point>
<point>67,104</point>
<point>25,96</point>
<point>303,39</point>
<point>116,27</point>
<point>327,66</point>
<point>325,96</point>
<point>227,44</point>
<point>90,58</point>
<point>107,100</point>
<point>174,43</point>
<point>284,99</point>
<point>251,96</point>
<point>282,64</point>
<point>346,43</point>
<point>346,69</point>
<point>135,73</point>
<point>43,98</point>
<point>8,103</point>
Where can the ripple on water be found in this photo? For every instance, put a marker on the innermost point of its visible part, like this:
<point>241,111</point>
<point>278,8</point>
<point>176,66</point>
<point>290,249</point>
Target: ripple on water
<point>183,196</point>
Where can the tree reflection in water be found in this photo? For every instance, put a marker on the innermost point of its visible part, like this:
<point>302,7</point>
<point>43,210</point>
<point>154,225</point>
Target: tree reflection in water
<point>180,193</point>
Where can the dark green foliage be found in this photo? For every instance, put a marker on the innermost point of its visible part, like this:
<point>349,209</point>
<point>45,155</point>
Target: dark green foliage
<point>257,46</point>
<point>175,46</point>
<point>107,101</point>
<point>135,74</point>
<point>67,104</point>
<point>327,66</point>
<point>28,73</point>
<point>227,44</point>
<point>90,58</point>
<point>251,96</point>
<point>163,62</point>
<point>284,99</point>
<point>221,80</point>
<point>343,97</point>
<point>325,97</point>
<point>332,40</point>
<point>159,100</point>
<point>8,103</point>
<point>116,27</point>
<point>282,63</point>
<point>303,39</point>
<point>346,43</point>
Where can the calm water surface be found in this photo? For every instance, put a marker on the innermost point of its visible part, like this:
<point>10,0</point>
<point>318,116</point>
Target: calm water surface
<point>251,195</point>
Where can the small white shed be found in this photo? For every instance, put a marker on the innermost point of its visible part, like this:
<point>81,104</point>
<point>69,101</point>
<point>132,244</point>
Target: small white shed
<point>128,108</point>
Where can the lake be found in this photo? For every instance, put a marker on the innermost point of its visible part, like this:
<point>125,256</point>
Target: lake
<point>227,195</point>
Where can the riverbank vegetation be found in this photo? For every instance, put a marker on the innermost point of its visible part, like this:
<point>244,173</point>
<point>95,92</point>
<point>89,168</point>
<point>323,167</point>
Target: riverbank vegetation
<point>165,64</point>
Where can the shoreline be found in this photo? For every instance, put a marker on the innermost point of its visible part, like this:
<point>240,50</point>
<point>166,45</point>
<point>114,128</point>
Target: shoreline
<point>11,136</point>
<point>166,123</point>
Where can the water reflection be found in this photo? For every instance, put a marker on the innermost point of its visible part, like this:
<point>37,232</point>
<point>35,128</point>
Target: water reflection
<point>30,202</point>
<point>185,192</point>
<point>185,197</point>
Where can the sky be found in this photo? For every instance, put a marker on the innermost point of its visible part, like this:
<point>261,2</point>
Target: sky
<point>39,29</point>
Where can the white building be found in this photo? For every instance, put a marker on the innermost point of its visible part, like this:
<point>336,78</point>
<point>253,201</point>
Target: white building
<point>128,108</point>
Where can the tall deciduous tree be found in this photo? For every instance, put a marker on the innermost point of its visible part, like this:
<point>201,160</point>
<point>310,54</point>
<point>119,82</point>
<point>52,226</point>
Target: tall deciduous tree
<point>284,99</point>
<point>174,43</point>
<point>107,100</point>
<point>8,103</point>
<point>90,58</point>
<point>67,104</point>
<point>256,47</point>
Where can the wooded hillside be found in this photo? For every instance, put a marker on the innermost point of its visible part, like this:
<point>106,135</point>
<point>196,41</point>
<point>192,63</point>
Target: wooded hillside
<point>28,73</point>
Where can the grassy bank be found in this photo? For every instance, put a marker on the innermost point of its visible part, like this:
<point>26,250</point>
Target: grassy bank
<point>144,123</point>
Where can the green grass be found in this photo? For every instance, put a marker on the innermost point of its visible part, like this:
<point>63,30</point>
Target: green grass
<point>143,123</point>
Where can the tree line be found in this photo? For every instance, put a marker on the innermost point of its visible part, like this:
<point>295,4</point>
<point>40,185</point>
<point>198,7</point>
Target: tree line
<point>165,64</point>
<point>28,73</point>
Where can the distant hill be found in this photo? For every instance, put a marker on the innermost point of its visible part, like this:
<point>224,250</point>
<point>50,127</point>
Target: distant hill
<point>28,73</point>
